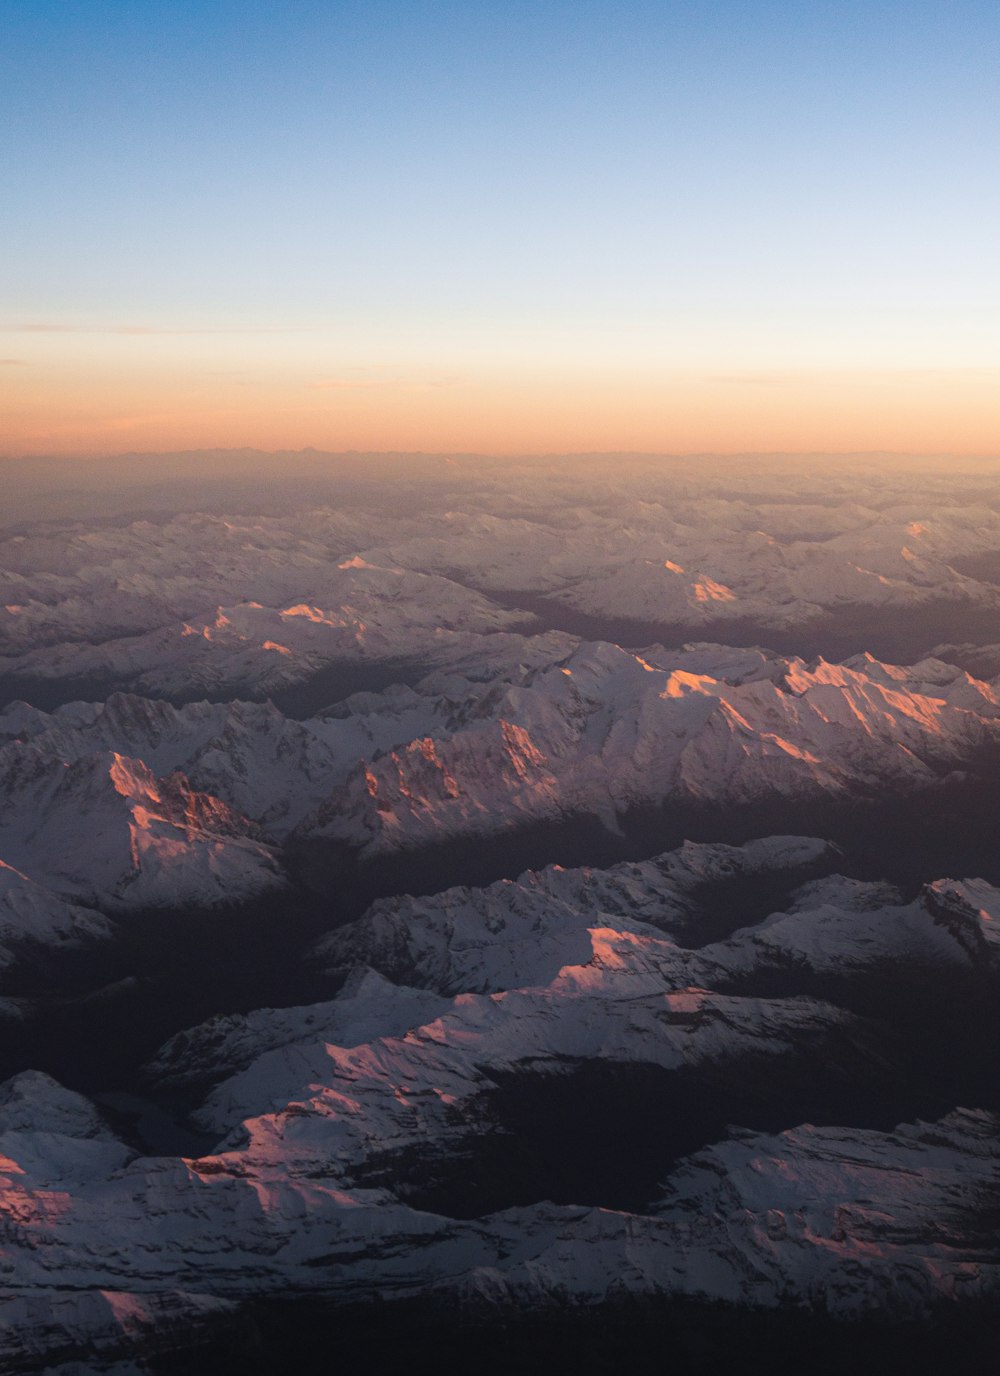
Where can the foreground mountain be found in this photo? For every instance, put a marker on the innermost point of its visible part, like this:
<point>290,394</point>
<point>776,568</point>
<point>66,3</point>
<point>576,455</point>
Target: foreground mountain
<point>561,1134</point>
<point>865,1218</point>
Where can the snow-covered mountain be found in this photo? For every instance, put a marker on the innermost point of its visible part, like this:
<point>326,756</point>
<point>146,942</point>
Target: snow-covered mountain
<point>603,731</point>
<point>863,1220</point>
<point>32,916</point>
<point>84,581</point>
<point>701,561</point>
<point>103,829</point>
<point>358,614</point>
<point>95,799</point>
<point>523,932</point>
<point>762,1074</point>
<point>340,1117</point>
<point>245,605</point>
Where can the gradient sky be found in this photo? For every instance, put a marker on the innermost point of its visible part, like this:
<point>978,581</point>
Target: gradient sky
<point>517,227</point>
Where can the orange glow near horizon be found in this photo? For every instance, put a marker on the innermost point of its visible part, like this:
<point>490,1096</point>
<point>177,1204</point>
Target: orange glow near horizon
<point>52,408</point>
<point>509,230</point>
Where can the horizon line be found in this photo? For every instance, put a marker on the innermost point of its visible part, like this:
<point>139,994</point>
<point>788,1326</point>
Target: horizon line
<point>307,451</point>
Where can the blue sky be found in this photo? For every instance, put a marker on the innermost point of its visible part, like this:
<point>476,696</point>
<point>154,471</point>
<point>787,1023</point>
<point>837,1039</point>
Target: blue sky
<point>707,186</point>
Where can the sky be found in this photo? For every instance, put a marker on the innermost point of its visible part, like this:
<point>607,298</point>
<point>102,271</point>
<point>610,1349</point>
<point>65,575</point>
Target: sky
<point>521,227</point>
